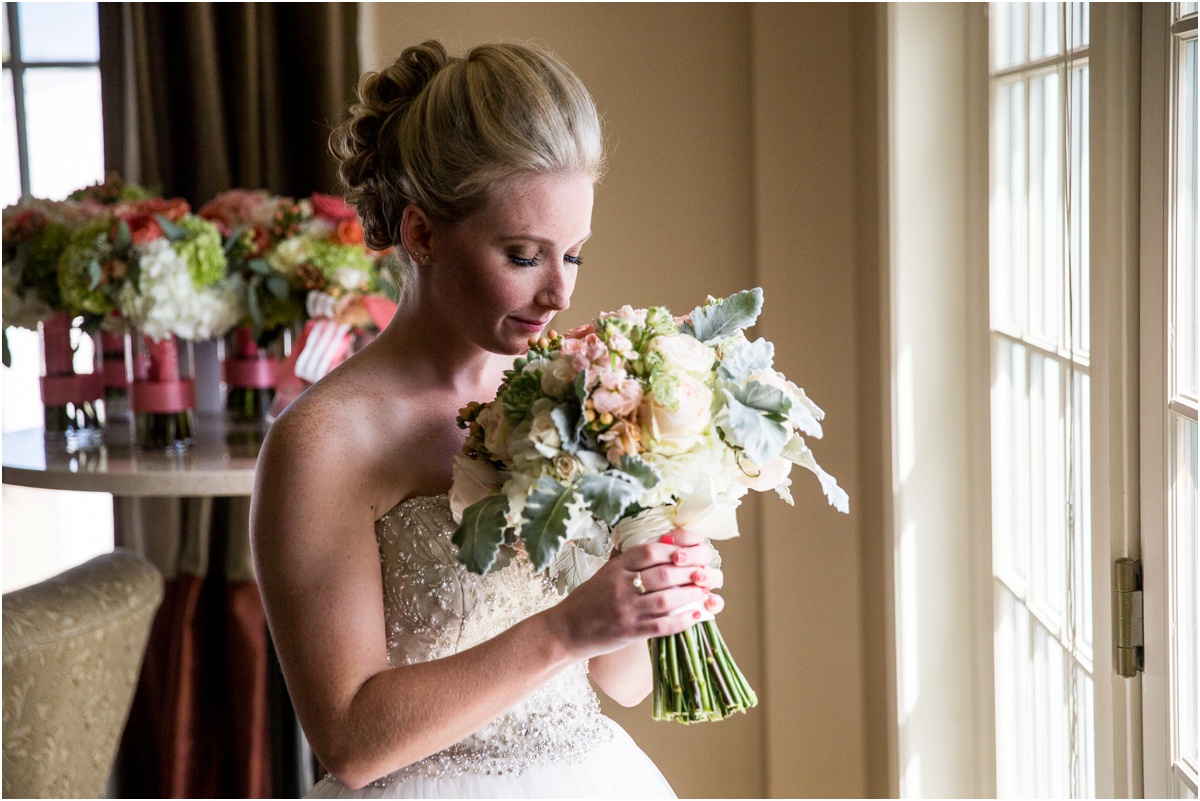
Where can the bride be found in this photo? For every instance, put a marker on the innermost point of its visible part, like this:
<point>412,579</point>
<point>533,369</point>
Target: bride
<point>411,676</point>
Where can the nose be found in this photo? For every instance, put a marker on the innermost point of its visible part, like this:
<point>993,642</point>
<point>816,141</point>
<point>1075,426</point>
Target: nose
<point>555,292</point>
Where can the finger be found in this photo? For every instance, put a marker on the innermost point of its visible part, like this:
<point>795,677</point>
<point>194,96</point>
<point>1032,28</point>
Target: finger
<point>707,577</point>
<point>666,602</point>
<point>682,537</point>
<point>661,577</point>
<point>714,604</point>
<point>648,555</point>
<point>697,555</point>
<point>667,625</point>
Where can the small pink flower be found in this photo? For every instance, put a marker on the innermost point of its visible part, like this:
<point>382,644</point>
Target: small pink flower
<point>331,207</point>
<point>617,394</point>
<point>586,353</point>
<point>581,331</point>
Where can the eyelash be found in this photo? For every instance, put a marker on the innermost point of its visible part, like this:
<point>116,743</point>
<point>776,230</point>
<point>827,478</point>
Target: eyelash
<point>533,260</point>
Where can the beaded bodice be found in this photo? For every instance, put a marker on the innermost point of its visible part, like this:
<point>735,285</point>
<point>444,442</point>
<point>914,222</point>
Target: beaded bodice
<point>435,607</point>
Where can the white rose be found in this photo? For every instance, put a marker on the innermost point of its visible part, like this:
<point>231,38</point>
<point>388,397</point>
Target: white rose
<point>289,254</point>
<point>474,480</point>
<point>557,376</point>
<point>679,429</point>
<point>682,352</point>
<point>350,278</point>
<point>496,430</point>
<point>543,433</point>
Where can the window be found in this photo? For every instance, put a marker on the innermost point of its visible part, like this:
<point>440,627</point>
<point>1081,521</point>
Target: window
<point>1040,329</point>
<point>1171,557</point>
<point>53,141</point>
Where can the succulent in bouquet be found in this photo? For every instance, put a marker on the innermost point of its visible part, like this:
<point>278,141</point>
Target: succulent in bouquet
<point>621,431</point>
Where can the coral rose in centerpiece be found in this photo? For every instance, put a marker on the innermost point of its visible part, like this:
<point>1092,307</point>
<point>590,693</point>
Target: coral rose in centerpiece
<point>623,430</point>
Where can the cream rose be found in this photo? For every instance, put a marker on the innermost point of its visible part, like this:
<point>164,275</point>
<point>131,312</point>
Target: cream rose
<point>682,352</point>
<point>678,429</point>
<point>557,376</point>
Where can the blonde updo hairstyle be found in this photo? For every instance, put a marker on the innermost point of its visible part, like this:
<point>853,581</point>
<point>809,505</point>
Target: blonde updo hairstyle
<point>440,132</point>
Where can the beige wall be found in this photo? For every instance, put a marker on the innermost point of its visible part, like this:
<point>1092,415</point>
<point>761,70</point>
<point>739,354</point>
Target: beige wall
<point>743,142</point>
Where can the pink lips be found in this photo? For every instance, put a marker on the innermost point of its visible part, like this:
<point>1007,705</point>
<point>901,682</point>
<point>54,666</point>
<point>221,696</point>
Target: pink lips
<point>528,326</point>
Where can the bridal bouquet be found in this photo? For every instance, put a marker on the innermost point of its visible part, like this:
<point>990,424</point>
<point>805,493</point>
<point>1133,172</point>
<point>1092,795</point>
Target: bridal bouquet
<point>621,431</point>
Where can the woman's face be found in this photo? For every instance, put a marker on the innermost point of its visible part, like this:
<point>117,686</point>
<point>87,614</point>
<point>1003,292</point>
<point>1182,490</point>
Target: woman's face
<point>501,274</point>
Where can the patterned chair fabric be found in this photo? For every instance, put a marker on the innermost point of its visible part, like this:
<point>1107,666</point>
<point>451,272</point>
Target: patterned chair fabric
<point>73,648</point>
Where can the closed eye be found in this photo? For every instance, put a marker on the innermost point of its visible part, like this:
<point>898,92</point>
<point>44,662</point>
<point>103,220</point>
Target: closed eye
<point>524,262</point>
<point>576,260</point>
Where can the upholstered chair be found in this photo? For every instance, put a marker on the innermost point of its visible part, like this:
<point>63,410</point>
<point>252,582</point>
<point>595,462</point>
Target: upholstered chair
<point>73,648</point>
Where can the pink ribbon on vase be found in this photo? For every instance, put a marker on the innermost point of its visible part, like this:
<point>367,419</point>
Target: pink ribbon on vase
<point>249,367</point>
<point>162,391</point>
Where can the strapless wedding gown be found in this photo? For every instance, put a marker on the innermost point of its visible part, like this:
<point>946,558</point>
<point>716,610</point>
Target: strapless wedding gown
<point>555,743</point>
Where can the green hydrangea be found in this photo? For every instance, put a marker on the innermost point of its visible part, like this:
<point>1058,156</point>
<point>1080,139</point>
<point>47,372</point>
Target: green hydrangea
<point>89,245</point>
<point>329,257</point>
<point>41,270</point>
<point>201,246</point>
<point>659,322</point>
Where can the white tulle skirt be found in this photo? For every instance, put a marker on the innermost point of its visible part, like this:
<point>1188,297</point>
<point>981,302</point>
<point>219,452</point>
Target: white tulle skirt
<point>616,769</point>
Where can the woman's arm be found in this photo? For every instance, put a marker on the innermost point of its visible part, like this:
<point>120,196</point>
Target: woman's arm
<point>318,568</point>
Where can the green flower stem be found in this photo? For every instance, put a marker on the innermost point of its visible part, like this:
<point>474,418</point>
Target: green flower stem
<point>249,404</point>
<point>695,677</point>
<point>171,431</point>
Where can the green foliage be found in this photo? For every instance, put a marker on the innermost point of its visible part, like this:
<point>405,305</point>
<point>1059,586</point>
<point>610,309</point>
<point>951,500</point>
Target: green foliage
<point>609,494</point>
<point>481,534</point>
<point>89,247</point>
<point>760,436</point>
<point>545,526</point>
<point>723,318</point>
<point>522,391</point>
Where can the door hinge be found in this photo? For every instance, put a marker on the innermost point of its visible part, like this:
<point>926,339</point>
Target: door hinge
<point>1130,632</point>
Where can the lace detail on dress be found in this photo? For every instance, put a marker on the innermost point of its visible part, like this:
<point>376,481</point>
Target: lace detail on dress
<point>434,607</point>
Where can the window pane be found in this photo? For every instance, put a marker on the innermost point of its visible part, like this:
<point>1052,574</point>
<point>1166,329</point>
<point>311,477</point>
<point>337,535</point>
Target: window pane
<point>1186,300</point>
<point>1085,732</point>
<point>10,185</point>
<point>66,136</point>
<point>1183,9</point>
<point>59,32</point>
<point>1014,701</point>
<point>1080,32</point>
<point>1045,210</point>
<point>1008,206</point>
<point>1045,34</point>
<point>1010,464</point>
<point>1007,24</point>
<point>1050,715</point>
<point>4,21</point>
<point>1187,571</point>
<point>1080,216</point>
<point>1048,477</point>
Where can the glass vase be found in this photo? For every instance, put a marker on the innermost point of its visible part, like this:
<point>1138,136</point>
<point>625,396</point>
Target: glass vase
<point>71,400</point>
<point>249,374</point>
<point>115,347</point>
<point>163,402</point>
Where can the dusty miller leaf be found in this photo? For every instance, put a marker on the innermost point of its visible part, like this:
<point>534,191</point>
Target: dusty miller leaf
<point>481,533</point>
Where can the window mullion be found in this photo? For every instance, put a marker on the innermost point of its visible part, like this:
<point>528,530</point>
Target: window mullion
<point>18,77</point>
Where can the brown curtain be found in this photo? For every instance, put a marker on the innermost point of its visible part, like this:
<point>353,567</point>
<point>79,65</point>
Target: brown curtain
<point>203,97</point>
<point>200,98</point>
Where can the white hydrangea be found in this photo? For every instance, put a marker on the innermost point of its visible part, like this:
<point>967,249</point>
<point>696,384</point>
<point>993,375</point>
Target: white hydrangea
<point>166,300</point>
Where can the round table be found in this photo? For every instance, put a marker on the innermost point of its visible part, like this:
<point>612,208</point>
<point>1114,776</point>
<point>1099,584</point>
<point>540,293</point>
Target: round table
<point>216,474</point>
<point>220,463</point>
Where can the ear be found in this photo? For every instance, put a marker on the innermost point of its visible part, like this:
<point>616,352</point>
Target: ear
<point>416,231</point>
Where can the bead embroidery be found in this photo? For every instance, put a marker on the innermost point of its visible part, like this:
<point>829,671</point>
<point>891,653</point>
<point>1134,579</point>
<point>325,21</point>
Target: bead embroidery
<point>434,607</point>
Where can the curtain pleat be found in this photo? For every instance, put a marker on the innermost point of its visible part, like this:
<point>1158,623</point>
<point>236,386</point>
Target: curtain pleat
<point>203,97</point>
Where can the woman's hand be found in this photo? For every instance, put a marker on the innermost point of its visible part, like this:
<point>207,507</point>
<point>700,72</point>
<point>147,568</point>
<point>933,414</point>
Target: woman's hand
<point>610,611</point>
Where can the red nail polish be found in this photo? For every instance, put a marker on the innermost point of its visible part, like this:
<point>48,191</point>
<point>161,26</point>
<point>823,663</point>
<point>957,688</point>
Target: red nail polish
<point>696,615</point>
<point>667,539</point>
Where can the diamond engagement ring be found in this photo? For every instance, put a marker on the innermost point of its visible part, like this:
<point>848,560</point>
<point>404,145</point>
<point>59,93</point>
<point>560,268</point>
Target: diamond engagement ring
<point>637,583</point>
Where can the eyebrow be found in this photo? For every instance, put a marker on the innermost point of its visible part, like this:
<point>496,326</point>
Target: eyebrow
<point>541,240</point>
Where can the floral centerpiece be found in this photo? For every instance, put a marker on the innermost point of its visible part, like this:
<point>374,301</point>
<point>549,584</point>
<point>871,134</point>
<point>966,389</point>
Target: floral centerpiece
<point>36,233</point>
<point>620,432</point>
<point>171,269</point>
